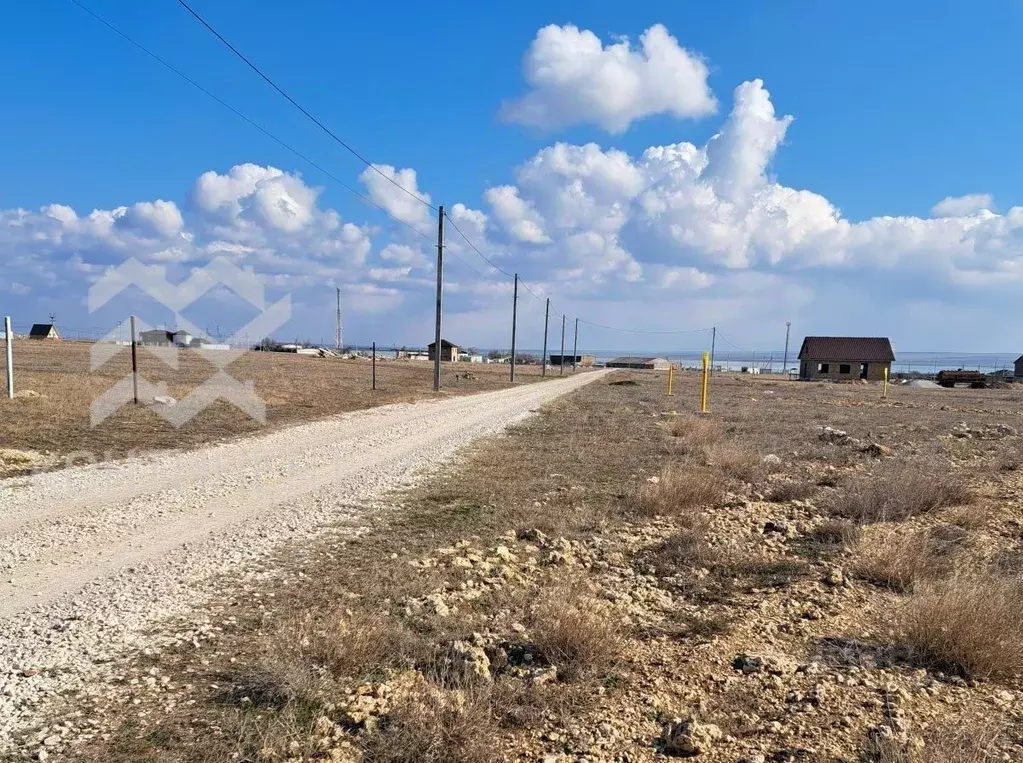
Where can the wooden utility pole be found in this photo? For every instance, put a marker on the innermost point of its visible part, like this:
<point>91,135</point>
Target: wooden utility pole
<point>785,363</point>
<point>374,378</point>
<point>515,309</point>
<point>575,345</point>
<point>440,297</point>
<point>562,345</point>
<point>134,364</point>
<point>339,342</point>
<point>713,341</point>
<point>546,320</point>
<point>9,341</point>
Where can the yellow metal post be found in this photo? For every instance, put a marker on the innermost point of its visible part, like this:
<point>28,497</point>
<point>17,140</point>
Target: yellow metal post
<point>884,388</point>
<point>703,391</point>
<point>671,373</point>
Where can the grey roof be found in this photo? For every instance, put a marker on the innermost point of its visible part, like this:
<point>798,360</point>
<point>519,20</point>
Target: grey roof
<point>633,359</point>
<point>444,343</point>
<point>876,349</point>
<point>41,329</point>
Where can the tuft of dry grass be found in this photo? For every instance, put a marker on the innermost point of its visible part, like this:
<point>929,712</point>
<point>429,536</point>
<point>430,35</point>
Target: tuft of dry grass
<point>898,492</point>
<point>685,551</point>
<point>435,726</point>
<point>574,632</point>
<point>791,490</point>
<point>695,434</point>
<point>737,461</point>
<point>967,744</point>
<point>832,536</point>
<point>679,491</point>
<point>900,560</point>
<point>972,625</point>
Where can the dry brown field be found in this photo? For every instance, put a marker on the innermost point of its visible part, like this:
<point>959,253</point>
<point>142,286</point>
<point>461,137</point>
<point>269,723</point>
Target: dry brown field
<point>807,573</point>
<point>294,388</point>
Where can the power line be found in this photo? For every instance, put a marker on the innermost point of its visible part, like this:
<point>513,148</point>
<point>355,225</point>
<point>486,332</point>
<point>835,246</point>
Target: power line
<point>301,108</point>
<point>730,344</point>
<point>163,62</point>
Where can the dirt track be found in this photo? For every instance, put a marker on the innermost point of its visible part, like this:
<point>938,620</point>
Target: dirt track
<point>92,556</point>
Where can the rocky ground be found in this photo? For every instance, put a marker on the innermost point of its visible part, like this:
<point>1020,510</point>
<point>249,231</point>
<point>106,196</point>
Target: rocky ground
<point>810,573</point>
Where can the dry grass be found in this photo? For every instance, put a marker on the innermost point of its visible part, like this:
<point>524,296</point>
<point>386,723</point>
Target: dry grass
<point>694,434</point>
<point>968,744</point>
<point>433,725</point>
<point>791,490</point>
<point>831,537</point>
<point>894,558</point>
<point>737,461</point>
<point>679,491</point>
<point>575,632</point>
<point>972,625</point>
<point>295,388</point>
<point>898,492</point>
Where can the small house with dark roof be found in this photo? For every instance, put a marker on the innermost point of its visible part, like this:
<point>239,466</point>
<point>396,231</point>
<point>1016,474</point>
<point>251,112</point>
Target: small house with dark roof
<point>43,331</point>
<point>841,358</point>
<point>448,350</point>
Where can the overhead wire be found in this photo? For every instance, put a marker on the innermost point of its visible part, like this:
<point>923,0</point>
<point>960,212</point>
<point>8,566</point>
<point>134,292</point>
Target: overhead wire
<point>279,141</point>
<point>166,64</point>
<point>300,107</point>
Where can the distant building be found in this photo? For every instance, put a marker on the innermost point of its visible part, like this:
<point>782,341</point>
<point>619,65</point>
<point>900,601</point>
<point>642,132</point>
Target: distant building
<point>845,357</point>
<point>648,364</point>
<point>448,351</point>
<point>182,339</point>
<point>156,337</point>
<point>580,360</point>
<point>43,331</point>
<point>1018,372</point>
<point>468,357</point>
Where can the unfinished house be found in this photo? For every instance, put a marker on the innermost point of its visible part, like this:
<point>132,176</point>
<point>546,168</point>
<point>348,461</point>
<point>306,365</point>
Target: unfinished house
<point>845,358</point>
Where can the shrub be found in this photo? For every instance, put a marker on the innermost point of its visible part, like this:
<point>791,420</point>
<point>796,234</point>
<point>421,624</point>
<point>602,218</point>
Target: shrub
<point>899,560</point>
<point>963,745</point>
<point>679,491</point>
<point>574,632</point>
<point>971,625</point>
<point>899,492</point>
<point>684,551</point>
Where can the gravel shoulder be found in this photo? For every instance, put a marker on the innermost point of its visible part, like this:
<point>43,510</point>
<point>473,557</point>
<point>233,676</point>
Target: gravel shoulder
<point>93,557</point>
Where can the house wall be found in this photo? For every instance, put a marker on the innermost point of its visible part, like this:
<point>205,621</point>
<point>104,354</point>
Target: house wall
<point>1019,368</point>
<point>808,370</point>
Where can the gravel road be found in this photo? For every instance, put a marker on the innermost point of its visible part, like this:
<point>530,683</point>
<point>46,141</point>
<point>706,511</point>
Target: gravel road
<point>93,559</point>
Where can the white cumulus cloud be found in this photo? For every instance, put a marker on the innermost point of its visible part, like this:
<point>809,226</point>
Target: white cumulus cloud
<point>960,206</point>
<point>574,79</point>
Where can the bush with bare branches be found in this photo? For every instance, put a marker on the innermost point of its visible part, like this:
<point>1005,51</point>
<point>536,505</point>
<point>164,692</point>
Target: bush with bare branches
<point>575,632</point>
<point>896,559</point>
<point>679,490</point>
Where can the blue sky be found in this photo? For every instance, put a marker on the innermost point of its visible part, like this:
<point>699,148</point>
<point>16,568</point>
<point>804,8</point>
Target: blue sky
<point>896,107</point>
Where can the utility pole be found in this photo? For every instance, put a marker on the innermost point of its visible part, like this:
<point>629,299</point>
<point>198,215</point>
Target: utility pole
<point>339,343</point>
<point>575,345</point>
<point>546,320</point>
<point>134,364</point>
<point>515,310</point>
<point>9,342</point>
<point>440,297</point>
<point>713,341</point>
<point>562,345</point>
<point>785,363</point>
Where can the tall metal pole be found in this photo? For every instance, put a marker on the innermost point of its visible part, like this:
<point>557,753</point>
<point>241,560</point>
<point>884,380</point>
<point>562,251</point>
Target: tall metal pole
<point>9,341</point>
<point>713,341</point>
<point>546,320</point>
<point>440,298</point>
<point>374,365</point>
<point>515,310</point>
<point>562,345</point>
<point>785,363</point>
<point>339,343</point>
<point>134,364</point>
<point>575,345</point>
